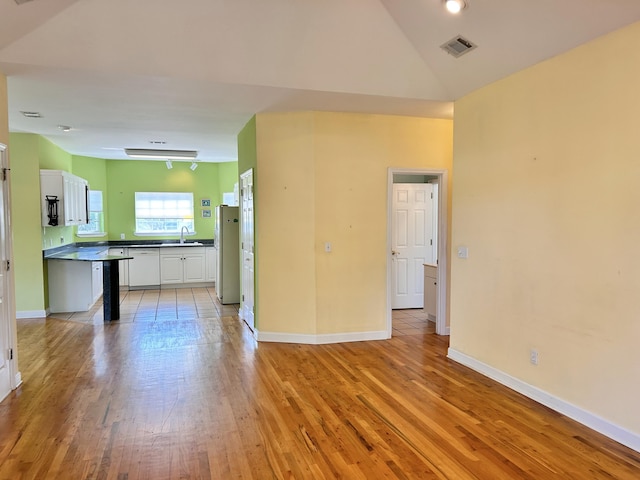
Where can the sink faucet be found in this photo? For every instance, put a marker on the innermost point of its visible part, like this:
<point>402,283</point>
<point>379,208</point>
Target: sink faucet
<point>182,233</point>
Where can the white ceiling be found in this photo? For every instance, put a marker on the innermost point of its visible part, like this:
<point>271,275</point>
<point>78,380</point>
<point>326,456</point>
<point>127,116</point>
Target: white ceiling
<point>191,73</point>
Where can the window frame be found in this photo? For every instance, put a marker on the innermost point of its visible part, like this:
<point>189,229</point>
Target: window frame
<point>100,232</point>
<point>184,215</point>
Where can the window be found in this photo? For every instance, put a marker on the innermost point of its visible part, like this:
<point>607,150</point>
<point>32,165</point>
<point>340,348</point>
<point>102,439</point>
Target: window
<point>95,227</point>
<point>162,213</point>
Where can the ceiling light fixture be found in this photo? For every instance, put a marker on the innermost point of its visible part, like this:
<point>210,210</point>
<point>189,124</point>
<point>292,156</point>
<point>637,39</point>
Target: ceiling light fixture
<point>454,6</point>
<point>64,128</point>
<point>169,164</point>
<point>193,166</point>
<point>161,154</point>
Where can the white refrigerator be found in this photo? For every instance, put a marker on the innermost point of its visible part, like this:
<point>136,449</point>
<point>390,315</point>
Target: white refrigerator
<point>227,242</point>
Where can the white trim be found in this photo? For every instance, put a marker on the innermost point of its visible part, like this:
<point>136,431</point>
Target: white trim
<point>320,339</point>
<point>443,259</point>
<point>599,424</point>
<point>31,314</point>
<point>17,379</point>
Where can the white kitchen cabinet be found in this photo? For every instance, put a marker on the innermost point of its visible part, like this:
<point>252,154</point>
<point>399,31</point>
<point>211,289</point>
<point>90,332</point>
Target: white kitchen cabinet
<point>180,265</point>
<point>210,257</point>
<point>430,290</point>
<point>72,198</point>
<point>123,265</point>
<point>74,286</point>
<point>144,267</point>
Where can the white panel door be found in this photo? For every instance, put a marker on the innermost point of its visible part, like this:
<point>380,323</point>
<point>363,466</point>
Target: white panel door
<point>247,236</point>
<point>5,285</point>
<point>411,239</point>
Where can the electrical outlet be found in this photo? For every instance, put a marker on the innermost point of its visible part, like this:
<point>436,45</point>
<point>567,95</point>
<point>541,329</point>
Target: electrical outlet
<point>327,247</point>
<point>61,239</point>
<point>533,356</point>
<point>122,236</point>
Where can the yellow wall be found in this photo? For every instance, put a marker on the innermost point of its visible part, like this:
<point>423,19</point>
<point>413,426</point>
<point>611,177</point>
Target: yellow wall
<point>4,111</point>
<point>323,178</point>
<point>546,197</point>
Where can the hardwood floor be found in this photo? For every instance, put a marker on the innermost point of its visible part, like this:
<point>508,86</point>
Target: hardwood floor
<point>179,389</point>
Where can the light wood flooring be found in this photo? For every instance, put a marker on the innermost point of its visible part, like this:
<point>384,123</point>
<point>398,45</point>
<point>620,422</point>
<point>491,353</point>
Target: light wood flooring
<point>179,389</point>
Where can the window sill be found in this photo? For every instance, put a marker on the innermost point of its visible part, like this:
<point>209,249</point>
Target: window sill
<point>161,234</point>
<point>92,234</point>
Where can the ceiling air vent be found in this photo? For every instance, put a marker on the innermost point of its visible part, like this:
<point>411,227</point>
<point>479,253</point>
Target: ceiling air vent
<point>20,2</point>
<point>458,46</point>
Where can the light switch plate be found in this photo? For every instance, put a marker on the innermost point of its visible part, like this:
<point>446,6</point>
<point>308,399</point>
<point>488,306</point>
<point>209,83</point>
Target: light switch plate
<point>463,252</point>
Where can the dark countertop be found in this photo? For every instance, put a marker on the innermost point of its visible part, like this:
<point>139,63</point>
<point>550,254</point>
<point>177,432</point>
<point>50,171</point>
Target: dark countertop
<point>84,254</point>
<point>98,251</point>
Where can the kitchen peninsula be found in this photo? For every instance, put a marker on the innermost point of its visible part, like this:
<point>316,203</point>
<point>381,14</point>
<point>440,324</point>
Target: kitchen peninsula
<point>68,259</point>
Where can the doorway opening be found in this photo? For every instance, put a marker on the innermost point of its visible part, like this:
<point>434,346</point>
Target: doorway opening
<point>408,268</point>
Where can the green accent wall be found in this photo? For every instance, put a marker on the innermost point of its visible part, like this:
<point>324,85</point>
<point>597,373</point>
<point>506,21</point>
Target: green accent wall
<point>124,178</point>
<point>247,148</point>
<point>227,178</point>
<point>26,225</point>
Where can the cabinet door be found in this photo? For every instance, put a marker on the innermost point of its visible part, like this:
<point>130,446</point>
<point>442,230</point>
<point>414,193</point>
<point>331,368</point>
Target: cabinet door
<point>82,192</point>
<point>171,269</point>
<point>68,201</point>
<point>194,268</point>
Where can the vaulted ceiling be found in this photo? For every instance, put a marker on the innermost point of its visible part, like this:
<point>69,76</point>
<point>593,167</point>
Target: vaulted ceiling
<point>191,73</point>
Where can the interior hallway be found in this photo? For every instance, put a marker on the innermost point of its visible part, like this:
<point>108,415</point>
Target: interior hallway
<point>178,388</point>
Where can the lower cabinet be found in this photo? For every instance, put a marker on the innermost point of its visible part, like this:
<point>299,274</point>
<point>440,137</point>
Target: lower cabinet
<point>74,286</point>
<point>430,289</point>
<point>182,265</point>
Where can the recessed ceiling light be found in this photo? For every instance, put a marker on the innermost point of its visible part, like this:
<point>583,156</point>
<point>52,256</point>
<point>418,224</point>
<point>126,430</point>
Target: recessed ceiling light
<point>454,6</point>
<point>64,128</point>
<point>31,114</point>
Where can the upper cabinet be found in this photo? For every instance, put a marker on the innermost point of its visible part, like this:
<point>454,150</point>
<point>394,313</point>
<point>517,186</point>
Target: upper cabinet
<point>64,198</point>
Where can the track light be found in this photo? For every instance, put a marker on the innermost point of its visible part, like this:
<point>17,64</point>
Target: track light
<point>454,6</point>
<point>150,153</point>
<point>169,164</point>
<point>193,166</point>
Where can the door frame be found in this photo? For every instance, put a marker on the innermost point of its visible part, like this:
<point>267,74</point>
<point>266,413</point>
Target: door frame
<point>9,285</point>
<point>442,311</point>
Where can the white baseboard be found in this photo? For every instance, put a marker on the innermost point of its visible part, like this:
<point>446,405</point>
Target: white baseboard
<point>320,339</point>
<point>31,314</point>
<point>599,424</point>
<point>17,379</point>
